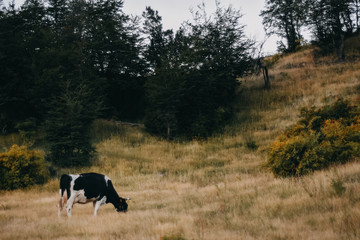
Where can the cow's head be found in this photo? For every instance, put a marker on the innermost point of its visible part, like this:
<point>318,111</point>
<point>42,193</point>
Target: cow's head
<point>122,205</point>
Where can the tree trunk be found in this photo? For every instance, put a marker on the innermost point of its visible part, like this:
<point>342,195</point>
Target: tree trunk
<point>262,67</point>
<point>168,132</point>
<point>340,49</point>
<point>266,77</point>
<point>357,15</point>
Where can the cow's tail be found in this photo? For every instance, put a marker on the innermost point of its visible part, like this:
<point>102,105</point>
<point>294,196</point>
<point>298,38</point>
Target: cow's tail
<point>64,191</point>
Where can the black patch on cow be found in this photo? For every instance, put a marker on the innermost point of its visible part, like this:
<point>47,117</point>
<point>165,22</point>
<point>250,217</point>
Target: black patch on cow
<point>112,197</point>
<point>93,184</point>
<point>65,181</point>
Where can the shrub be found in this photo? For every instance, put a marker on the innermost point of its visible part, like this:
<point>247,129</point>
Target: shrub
<point>20,168</point>
<point>338,186</point>
<point>321,137</point>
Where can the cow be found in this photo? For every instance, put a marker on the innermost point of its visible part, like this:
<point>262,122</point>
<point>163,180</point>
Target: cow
<point>89,187</point>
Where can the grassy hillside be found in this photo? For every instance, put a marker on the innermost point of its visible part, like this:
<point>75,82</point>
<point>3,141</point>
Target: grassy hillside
<point>213,189</point>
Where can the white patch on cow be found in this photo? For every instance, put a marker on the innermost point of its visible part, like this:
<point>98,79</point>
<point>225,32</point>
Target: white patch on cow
<point>106,180</point>
<point>72,183</point>
<point>73,193</point>
<point>73,178</point>
<point>80,196</point>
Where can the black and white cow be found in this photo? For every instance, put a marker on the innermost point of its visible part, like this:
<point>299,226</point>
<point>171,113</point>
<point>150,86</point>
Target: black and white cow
<point>89,187</point>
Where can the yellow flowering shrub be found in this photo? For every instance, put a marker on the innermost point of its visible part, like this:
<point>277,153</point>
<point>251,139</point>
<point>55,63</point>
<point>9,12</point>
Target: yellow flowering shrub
<point>322,137</point>
<point>20,168</point>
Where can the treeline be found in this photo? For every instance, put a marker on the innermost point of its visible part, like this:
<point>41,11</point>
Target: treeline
<point>64,63</point>
<point>329,21</point>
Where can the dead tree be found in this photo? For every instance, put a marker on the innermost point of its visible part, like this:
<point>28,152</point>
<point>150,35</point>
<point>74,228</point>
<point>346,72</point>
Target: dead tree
<point>262,68</point>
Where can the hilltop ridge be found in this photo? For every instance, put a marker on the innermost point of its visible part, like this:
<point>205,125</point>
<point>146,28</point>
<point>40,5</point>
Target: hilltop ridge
<point>301,79</point>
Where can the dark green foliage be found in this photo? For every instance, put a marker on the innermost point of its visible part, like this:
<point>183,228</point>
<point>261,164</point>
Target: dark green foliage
<point>41,47</point>
<point>27,129</point>
<point>157,36</point>
<point>322,137</point>
<point>314,118</point>
<point>59,61</point>
<point>192,88</point>
<point>68,125</point>
<point>285,18</point>
<point>20,168</point>
<point>74,105</point>
<point>64,61</point>
<point>113,49</point>
<point>332,22</point>
<point>15,67</point>
<point>164,95</point>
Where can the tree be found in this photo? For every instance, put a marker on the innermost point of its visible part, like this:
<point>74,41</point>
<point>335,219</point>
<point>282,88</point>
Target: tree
<point>68,125</point>
<point>356,10</point>
<point>333,22</point>
<point>163,87</point>
<point>285,18</point>
<point>23,35</point>
<point>164,95</point>
<point>75,92</point>
<point>12,52</point>
<point>57,12</point>
<point>220,54</point>
<point>156,37</point>
<point>51,53</point>
<point>37,39</point>
<point>114,52</point>
<point>191,91</point>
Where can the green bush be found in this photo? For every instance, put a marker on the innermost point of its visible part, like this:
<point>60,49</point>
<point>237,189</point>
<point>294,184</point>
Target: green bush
<point>321,137</point>
<point>20,168</point>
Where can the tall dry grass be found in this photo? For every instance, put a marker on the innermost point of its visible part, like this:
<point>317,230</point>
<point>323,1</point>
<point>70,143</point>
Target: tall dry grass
<point>217,188</point>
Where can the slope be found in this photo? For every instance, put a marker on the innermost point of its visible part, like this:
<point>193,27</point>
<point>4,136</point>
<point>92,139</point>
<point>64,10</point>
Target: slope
<point>216,188</point>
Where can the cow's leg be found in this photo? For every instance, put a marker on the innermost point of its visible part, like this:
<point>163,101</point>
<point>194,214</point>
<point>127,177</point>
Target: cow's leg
<point>60,205</point>
<point>98,203</point>
<point>62,202</point>
<point>70,204</point>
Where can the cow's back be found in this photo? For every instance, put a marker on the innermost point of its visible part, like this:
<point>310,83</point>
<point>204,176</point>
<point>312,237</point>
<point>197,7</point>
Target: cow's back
<point>93,184</point>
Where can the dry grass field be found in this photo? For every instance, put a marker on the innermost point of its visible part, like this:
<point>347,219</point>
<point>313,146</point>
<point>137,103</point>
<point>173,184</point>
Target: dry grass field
<point>217,188</point>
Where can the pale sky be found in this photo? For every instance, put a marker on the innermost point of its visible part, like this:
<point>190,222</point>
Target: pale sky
<point>175,12</point>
